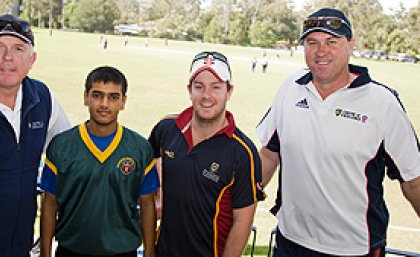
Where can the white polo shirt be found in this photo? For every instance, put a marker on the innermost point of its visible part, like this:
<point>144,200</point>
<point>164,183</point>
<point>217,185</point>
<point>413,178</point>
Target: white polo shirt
<point>58,119</point>
<point>333,154</point>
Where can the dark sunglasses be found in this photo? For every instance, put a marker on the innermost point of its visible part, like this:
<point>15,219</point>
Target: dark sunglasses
<point>326,22</point>
<point>22,27</point>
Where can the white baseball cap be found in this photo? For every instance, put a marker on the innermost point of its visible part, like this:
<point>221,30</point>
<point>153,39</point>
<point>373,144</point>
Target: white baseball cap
<point>215,62</point>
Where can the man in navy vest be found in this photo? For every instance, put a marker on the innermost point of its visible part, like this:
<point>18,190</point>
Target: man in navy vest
<point>29,117</point>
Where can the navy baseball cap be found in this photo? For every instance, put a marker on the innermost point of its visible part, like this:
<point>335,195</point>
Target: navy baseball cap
<point>11,25</point>
<point>327,20</point>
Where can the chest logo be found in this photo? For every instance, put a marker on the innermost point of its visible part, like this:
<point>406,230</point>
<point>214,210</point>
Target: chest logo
<point>303,104</point>
<point>169,154</point>
<point>211,172</point>
<point>126,165</point>
<point>36,124</point>
<point>351,115</point>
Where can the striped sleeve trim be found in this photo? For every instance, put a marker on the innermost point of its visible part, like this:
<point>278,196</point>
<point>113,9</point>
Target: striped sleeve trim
<point>51,166</point>
<point>252,165</point>
<point>149,167</point>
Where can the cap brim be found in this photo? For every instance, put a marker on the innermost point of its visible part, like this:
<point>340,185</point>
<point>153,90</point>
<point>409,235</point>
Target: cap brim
<point>12,33</point>
<point>322,29</point>
<point>193,75</point>
<point>218,68</point>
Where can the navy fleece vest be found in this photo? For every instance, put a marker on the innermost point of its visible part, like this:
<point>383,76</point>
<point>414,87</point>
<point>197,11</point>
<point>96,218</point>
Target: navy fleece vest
<point>19,164</point>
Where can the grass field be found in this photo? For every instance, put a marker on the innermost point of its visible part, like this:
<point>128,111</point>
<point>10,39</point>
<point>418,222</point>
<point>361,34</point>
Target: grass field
<point>157,77</point>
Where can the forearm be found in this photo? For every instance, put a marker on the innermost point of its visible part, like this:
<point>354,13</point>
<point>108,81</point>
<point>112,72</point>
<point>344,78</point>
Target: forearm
<point>48,223</point>
<point>411,191</point>
<point>269,161</point>
<point>148,220</point>
<point>239,233</point>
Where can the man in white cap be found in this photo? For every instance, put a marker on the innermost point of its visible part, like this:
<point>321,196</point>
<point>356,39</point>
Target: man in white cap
<point>335,131</point>
<point>210,170</point>
<point>29,117</point>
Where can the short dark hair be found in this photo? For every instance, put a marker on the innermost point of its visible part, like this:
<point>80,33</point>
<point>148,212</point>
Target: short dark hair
<point>106,74</point>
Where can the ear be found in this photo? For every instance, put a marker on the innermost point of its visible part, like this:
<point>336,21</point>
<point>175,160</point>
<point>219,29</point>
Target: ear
<point>124,100</point>
<point>33,58</point>
<point>230,91</point>
<point>85,99</point>
<point>189,86</point>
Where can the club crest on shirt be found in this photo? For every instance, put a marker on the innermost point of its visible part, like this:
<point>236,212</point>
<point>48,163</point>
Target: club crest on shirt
<point>210,173</point>
<point>351,115</point>
<point>126,165</point>
<point>170,154</point>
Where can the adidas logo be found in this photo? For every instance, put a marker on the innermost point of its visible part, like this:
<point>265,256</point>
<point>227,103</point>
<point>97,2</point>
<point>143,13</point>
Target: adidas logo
<point>303,104</point>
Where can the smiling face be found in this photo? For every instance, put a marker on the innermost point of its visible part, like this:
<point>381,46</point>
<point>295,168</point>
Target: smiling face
<point>104,100</point>
<point>16,59</point>
<point>328,56</point>
<point>209,96</point>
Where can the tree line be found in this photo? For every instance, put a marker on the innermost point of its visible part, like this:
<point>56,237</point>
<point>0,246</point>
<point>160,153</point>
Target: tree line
<point>263,23</point>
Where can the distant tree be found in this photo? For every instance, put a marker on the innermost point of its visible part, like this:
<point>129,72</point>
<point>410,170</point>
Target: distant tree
<point>224,9</point>
<point>129,10</point>
<point>174,18</point>
<point>261,34</point>
<point>282,19</point>
<point>36,12</point>
<point>397,42</point>
<point>413,28</point>
<point>6,6</point>
<point>94,15</point>
<point>167,27</point>
<point>70,6</point>
<point>238,30</point>
<point>213,33</point>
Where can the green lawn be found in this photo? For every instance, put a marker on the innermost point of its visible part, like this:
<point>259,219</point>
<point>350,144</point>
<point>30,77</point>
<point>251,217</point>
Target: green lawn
<point>157,77</point>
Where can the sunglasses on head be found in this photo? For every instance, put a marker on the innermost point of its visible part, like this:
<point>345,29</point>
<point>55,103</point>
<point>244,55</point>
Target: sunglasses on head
<point>326,22</point>
<point>22,27</point>
<point>215,55</point>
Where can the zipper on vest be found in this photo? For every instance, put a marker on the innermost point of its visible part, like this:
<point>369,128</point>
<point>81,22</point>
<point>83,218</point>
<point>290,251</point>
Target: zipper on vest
<point>19,196</point>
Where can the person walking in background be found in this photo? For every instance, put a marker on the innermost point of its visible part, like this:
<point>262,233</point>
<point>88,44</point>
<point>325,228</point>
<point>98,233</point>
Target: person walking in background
<point>336,133</point>
<point>210,169</point>
<point>264,62</point>
<point>95,176</point>
<point>253,64</point>
<point>105,43</point>
<point>125,40</point>
<point>29,117</point>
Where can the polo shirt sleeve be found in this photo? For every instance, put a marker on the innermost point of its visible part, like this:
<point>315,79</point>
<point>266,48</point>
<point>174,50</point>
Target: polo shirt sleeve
<point>401,144</point>
<point>267,130</point>
<point>150,183</point>
<point>49,172</point>
<point>58,122</point>
<point>155,139</point>
<point>247,175</point>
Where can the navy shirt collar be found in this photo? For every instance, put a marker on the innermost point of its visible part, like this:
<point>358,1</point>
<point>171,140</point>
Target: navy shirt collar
<point>362,74</point>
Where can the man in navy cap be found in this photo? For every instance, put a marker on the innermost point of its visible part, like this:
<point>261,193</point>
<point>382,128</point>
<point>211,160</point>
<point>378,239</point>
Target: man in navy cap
<point>335,132</point>
<point>29,117</point>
